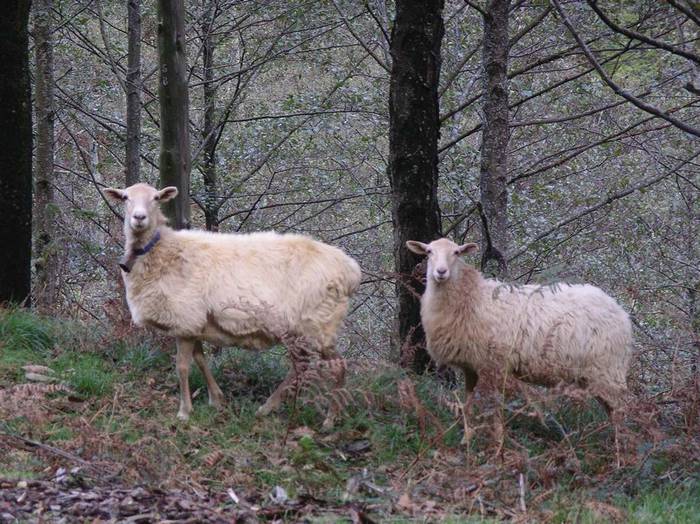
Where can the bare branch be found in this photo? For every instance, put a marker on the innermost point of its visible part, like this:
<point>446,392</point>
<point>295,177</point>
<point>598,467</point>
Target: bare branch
<point>648,182</point>
<point>525,30</point>
<point>360,41</point>
<point>476,6</point>
<point>691,13</point>
<point>616,88</point>
<point>641,37</point>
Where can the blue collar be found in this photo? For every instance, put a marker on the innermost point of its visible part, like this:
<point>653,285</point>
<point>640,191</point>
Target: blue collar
<point>128,260</point>
<point>139,251</point>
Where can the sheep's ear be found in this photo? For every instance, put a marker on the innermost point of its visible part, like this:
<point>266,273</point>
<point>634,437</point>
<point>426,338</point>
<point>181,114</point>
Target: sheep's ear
<point>419,248</point>
<point>466,249</point>
<point>167,193</point>
<point>114,194</point>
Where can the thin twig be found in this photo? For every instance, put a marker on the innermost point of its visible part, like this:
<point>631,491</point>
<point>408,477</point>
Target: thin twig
<point>55,451</point>
<point>616,88</point>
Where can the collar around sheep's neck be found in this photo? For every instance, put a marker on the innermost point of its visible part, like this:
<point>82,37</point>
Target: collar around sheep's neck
<point>128,263</point>
<point>139,251</point>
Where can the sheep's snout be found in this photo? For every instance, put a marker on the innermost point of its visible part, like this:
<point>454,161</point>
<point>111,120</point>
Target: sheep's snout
<point>139,220</point>
<point>441,274</point>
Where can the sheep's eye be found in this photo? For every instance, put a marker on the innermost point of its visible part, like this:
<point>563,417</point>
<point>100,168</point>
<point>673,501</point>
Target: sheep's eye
<point>429,251</point>
<point>456,251</point>
<point>156,197</point>
<point>125,198</point>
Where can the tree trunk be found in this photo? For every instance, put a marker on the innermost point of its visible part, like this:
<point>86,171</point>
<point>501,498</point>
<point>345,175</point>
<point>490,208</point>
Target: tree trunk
<point>413,157</point>
<point>209,135</point>
<point>174,109</point>
<point>693,297</point>
<point>15,154</point>
<point>133,94</point>
<point>494,142</point>
<point>45,259</point>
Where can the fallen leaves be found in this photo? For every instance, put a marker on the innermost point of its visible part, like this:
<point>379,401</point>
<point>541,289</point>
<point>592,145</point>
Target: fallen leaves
<point>44,500</point>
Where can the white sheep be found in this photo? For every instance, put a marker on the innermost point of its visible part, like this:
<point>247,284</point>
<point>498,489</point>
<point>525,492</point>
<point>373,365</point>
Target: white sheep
<point>230,289</point>
<point>546,335</point>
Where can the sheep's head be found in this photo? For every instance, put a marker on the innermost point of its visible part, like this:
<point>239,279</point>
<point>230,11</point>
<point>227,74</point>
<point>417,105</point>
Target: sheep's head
<point>141,205</point>
<point>443,255</point>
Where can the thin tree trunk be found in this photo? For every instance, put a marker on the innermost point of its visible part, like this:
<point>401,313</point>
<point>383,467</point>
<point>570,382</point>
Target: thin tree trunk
<point>413,140</point>
<point>174,109</point>
<point>494,143</point>
<point>133,94</point>
<point>15,154</point>
<point>693,298</point>
<point>690,229</point>
<point>209,135</point>
<point>45,259</point>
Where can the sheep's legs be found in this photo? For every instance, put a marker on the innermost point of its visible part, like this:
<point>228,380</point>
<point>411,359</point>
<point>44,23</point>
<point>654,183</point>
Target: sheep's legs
<point>470,378</point>
<point>216,396</point>
<point>336,366</point>
<point>183,361</point>
<point>612,402</point>
<point>274,401</point>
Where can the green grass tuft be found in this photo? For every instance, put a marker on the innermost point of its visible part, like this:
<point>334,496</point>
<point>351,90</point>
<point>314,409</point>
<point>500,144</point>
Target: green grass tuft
<point>141,358</point>
<point>673,505</point>
<point>87,374</point>
<point>25,332</point>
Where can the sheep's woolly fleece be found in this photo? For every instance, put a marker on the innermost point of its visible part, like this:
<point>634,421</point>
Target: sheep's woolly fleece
<point>232,288</point>
<point>542,334</point>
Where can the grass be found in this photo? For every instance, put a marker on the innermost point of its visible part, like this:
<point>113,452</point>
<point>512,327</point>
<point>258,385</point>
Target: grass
<point>383,454</point>
<point>668,505</point>
<point>674,505</point>
<point>24,339</point>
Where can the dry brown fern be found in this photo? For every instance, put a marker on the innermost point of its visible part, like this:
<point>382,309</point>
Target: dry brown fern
<point>315,378</point>
<point>409,400</point>
<point>28,400</point>
<point>212,459</point>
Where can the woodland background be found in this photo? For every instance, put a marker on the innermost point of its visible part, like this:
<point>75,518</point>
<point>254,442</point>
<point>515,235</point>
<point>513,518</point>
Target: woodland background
<point>560,135</point>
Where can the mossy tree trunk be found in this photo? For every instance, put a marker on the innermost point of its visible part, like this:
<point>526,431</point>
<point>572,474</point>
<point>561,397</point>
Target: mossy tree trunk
<point>15,153</point>
<point>174,109</point>
<point>133,93</point>
<point>209,131</point>
<point>45,259</point>
<point>495,137</point>
<point>416,40</point>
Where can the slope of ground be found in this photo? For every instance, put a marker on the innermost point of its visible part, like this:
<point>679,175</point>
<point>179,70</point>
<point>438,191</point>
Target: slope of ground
<point>88,432</point>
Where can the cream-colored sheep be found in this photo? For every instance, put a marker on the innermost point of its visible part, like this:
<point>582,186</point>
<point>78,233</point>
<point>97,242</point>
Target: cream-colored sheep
<point>571,334</point>
<point>242,289</point>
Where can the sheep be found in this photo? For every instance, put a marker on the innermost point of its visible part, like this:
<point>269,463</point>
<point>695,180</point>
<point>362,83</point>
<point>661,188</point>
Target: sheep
<point>545,335</point>
<point>230,289</point>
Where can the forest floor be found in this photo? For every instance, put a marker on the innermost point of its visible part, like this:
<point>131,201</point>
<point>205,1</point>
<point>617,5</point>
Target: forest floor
<point>92,436</point>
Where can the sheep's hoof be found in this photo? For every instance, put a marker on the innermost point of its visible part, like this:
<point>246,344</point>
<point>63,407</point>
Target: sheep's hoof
<point>216,402</point>
<point>181,415</point>
<point>328,424</point>
<point>263,411</point>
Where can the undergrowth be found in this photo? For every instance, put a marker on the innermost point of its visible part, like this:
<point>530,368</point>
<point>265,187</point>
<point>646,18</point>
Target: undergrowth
<point>535,456</point>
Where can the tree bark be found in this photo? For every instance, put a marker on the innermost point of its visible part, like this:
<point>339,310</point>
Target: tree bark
<point>45,259</point>
<point>15,154</point>
<point>209,135</point>
<point>133,94</point>
<point>494,143</point>
<point>413,157</point>
<point>174,109</point>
